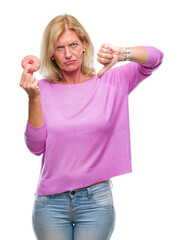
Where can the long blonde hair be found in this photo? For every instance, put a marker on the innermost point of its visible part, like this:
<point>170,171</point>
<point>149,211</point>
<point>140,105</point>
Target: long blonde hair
<point>49,69</point>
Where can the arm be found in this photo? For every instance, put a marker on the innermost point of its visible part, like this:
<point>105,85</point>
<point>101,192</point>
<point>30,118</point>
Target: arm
<point>136,71</point>
<point>35,132</point>
<point>109,55</point>
<point>138,54</point>
<point>35,117</point>
<point>144,60</point>
<point>148,57</point>
<point>35,138</point>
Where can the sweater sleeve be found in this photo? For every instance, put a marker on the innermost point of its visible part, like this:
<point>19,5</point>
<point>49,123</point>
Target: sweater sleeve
<point>136,72</point>
<point>35,138</point>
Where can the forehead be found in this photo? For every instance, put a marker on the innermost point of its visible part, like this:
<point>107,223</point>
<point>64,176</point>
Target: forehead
<point>67,37</point>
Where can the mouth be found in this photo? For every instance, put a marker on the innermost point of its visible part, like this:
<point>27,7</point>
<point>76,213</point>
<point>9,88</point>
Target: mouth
<point>70,62</point>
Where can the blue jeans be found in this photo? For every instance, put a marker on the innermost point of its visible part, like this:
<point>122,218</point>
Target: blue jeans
<point>79,214</point>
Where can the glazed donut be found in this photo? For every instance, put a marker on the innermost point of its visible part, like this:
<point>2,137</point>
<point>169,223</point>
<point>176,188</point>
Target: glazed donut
<point>33,61</point>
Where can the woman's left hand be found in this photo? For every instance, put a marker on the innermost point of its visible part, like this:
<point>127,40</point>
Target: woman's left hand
<point>108,55</point>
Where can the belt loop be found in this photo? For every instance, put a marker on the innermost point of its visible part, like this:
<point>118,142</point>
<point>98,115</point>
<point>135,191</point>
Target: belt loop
<point>89,193</point>
<point>111,184</point>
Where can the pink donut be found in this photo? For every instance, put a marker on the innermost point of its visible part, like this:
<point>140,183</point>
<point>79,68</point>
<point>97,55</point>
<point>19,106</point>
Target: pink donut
<point>33,61</point>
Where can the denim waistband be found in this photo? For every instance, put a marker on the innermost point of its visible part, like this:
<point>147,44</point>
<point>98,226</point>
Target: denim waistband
<point>107,184</point>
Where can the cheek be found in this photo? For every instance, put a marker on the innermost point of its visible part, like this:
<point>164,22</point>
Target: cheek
<point>58,57</point>
<point>81,51</point>
<point>80,55</point>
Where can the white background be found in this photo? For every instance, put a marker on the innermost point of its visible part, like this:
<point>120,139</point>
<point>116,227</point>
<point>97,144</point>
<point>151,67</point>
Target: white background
<point>149,200</point>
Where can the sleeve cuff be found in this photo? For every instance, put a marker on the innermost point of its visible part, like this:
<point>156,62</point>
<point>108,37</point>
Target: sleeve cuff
<point>35,133</point>
<point>155,56</point>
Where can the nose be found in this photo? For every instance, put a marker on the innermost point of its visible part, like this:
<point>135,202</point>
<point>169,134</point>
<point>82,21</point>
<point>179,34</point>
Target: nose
<point>68,53</point>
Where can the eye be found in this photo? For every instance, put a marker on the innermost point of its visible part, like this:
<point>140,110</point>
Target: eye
<point>59,48</point>
<point>74,45</point>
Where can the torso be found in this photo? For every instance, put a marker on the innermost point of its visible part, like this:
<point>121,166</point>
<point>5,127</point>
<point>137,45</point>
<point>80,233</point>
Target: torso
<point>82,80</point>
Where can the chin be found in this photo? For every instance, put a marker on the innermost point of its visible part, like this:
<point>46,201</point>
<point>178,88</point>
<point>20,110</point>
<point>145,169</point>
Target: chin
<point>71,70</point>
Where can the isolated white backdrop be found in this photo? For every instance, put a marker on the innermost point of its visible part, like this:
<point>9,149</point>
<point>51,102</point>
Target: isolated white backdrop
<point>148,201</point>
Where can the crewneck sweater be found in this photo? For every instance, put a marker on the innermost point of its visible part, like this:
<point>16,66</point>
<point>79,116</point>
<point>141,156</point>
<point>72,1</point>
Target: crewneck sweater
<point>85,137</point>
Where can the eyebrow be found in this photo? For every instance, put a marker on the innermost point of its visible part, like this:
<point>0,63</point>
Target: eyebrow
<point>60,45</point>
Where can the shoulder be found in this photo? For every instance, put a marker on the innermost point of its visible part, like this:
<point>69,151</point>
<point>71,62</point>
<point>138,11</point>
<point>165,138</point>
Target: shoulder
<point>43,83</point>
<point>117,71</point>
<point>120,75</point>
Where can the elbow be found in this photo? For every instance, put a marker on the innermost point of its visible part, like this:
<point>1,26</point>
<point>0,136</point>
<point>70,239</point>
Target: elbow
<point>155,57</point>
<point>161,56</point>
<point>35,147</point>
<point>35,139</point>
<point>37,153</point>
<point>158,58</point>
<point>155,60</point>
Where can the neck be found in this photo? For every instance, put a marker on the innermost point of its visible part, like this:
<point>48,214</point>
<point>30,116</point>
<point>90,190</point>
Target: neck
<point>73,77</point>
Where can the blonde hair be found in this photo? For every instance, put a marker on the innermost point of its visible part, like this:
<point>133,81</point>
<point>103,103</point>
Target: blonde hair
<point>49,69</point>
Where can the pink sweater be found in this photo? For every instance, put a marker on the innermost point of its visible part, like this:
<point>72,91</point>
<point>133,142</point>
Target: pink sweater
<point>85,138</point>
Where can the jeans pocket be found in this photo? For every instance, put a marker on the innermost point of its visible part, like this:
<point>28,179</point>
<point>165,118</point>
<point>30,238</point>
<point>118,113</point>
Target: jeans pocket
<point>41,201</point>
<point>102,198</point>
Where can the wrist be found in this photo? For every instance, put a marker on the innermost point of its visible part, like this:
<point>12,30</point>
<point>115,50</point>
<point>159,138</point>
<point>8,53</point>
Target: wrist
<point>124,54</point>
<point>128,53</point>
<point>34,99</point>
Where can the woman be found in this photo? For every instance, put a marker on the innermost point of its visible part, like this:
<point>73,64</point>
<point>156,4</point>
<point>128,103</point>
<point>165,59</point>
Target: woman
<point>79,121</point>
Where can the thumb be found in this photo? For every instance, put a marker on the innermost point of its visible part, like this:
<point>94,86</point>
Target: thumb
<point>104,69</point>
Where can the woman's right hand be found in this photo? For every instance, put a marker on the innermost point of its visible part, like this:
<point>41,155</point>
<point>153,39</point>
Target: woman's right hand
<point>30,84</point>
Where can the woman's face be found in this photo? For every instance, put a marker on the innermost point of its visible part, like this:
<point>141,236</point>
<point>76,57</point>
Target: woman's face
<point>69,51</point>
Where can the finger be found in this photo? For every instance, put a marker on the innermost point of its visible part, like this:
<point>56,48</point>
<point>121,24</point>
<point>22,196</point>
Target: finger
<point>23,79</point>
<point>104,69</point>
<point>25,73</point>
<point>107,67</point>
<point>101,72</point>
<point>103,60</point>
<point>103,55</point>
<point>28,79</point>
<point>115,50</point>
<point>35,83</point>
<point>107,47</point>
<point>26,69</point>
<point>105,51</point>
